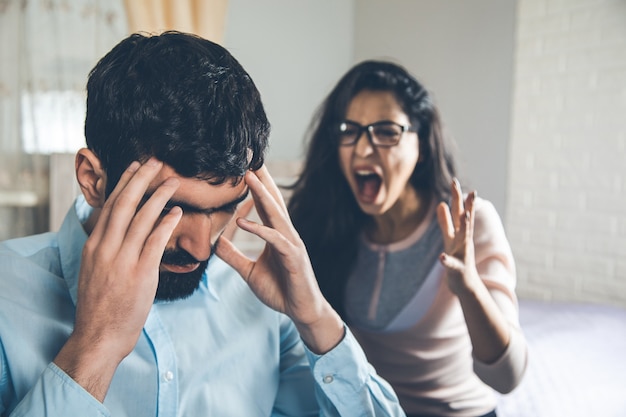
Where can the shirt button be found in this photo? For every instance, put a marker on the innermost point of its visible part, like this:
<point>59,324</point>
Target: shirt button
<point>328,379</point>
<point>168,376</point>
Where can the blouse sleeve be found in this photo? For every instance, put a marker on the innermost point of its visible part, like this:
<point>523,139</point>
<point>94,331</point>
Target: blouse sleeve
<point>496,267</point>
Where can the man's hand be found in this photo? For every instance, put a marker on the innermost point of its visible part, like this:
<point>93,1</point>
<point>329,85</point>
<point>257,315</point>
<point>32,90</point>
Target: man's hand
<point>243,210</point>
<point>282,276</point>
<point>118,277</point>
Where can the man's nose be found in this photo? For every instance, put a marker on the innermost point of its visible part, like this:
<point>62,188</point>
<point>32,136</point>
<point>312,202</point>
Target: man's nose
<point>193,234</point>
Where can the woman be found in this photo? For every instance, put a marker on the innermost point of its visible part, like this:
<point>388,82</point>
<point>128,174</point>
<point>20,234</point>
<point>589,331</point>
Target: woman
<point>423,276</point>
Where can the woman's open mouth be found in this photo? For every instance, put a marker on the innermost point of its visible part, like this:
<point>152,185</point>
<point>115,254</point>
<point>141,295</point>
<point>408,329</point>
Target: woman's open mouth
<point>368,183</point>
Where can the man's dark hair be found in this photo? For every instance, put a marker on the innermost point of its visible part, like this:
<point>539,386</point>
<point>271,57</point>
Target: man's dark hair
<point>180,98</point>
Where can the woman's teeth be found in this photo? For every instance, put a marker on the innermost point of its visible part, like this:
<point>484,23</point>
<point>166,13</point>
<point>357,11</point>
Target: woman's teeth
<point>368,183</point>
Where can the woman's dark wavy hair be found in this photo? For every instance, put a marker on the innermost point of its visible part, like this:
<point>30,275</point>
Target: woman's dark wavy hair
<point>180,98</point>
<point>322,206</point>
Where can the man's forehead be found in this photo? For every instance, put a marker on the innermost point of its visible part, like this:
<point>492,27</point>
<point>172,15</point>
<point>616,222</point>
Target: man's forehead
<point>201,192</point>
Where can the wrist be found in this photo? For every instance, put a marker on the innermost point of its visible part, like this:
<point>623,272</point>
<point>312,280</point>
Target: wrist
<point>91,365</point>
<point>469,286</point>
<point>323,334</point>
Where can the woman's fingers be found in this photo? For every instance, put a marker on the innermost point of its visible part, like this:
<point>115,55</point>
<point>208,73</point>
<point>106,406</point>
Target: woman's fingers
<point>457,203</point>
<point>469,209</point>
<point>457,222</point>
<point>445,222</point>
<point>451,262</point>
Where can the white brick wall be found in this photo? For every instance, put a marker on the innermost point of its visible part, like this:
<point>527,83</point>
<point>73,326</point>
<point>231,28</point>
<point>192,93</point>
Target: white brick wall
<point>566,203</point>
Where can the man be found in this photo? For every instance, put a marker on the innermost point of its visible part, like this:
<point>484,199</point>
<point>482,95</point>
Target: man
<point>125,312</point>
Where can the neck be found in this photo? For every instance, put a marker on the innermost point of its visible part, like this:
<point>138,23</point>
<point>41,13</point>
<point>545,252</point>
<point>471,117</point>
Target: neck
<point>400,220</point>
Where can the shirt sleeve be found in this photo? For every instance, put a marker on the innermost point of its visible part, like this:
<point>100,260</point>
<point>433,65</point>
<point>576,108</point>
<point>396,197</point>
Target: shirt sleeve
<point>338,383</point>
<point>506,373</point>
<point>56,394</point>
<point>496,267</point>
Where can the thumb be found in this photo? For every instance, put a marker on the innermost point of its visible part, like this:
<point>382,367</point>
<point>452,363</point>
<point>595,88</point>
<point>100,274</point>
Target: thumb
<point>243,210</point>
<point>234,257</point>
<point>451,262</point>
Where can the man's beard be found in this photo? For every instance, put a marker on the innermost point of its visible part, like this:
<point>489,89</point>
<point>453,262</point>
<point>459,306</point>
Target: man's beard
<point>174,286</point>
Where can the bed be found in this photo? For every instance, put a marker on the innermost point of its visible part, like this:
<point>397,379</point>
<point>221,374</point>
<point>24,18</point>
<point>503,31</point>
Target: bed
<point>577,362</point>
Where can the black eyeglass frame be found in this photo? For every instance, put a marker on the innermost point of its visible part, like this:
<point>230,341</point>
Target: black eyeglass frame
<point>369,130</point>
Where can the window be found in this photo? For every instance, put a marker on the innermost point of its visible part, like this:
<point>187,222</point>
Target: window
<point>53,121</point>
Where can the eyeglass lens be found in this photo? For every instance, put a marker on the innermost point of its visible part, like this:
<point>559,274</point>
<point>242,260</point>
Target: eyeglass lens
<point>380,133</point>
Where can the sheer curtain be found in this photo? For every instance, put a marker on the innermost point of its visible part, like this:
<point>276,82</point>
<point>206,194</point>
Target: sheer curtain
<point>47,48</point>
<point>205,18</point>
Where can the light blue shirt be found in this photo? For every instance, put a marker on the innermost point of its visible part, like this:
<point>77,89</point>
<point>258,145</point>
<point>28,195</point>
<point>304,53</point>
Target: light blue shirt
<point>220,352</point>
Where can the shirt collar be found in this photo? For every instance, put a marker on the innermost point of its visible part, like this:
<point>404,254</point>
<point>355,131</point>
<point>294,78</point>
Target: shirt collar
<point>72,238</point>
<point>212,269</point>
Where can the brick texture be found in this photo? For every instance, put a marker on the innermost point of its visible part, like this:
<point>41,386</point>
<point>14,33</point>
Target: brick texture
<point>566,202</point>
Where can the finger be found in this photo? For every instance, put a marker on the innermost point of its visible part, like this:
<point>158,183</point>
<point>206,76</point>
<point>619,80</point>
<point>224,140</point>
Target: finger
<point>243,210</point>
<point>461,233</point>
<point>451,262</point>
<point>256,190</point>
<point>457,203</point>
<point>123,206</point>
<point>445,222</point>
<point>266,179</point>
<point>128,173</point>
<point>234,257</point>
<point>152,250</point>
<point>273,237</point>
<point>470,210</point>
<point>102,223</point>
<point>132,192</point>
<point>267,207</point>
<point>149,216</point>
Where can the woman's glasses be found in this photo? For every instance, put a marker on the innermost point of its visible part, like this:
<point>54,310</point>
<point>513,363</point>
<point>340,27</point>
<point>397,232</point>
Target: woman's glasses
<point>384,133</point>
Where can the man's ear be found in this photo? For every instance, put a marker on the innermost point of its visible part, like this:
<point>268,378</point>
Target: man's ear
<point>91,177</point>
